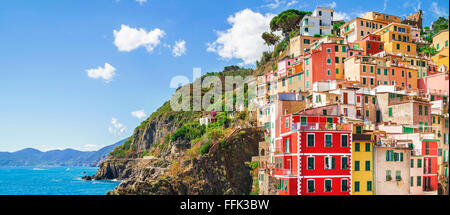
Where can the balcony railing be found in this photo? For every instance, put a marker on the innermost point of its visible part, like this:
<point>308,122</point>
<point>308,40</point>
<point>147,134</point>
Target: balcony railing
<point>362,137</point>
<point>321,126</point>
<point>288,172</point>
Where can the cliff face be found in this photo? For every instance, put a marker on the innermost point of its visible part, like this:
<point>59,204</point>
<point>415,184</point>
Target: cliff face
<point>171,153</point>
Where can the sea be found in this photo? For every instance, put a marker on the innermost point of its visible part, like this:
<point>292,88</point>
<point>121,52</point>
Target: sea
<point>51,181</point>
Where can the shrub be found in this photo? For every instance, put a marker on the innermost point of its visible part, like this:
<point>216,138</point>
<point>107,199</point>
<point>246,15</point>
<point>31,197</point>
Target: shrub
<point>205,147</point>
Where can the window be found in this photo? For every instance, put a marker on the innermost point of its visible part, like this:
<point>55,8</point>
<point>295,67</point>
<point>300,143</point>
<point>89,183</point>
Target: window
<point>327,185</point>
<point>336,48</point>
<point>337,71</point>
<point>357,147</point>
<point>412,163</point>
<point>364,68</point>
<point>287,122</point>
<point>303,122</point>
<point>356,165</point>
<point>398,46</point>
<point>388,175</point>
<point>328,50</point>
<point>425,108</point>
<point>344,140</point>
<point>373,100</point>
<point>328,72</point>
<point>344,163</point>
<point>311,186</point>
<point>328,60</point>
<point>419,181</point>
<point>367,165</point>
<point>344,185</point>
<point>412,181</point>
<point>356,186</point>
<point>390,111</point>
<point>378,71</point>
<point>371,69</point>
<point>328,140</point>
<point>336,59</point>
<point>310,140</point>
<point>329,162</point>
<point>288,145</point>
<point>385,72</point>
<point>368,147</point>
<point>369,185</point>
<point>398,176</point>
<point>420,109</point>
<point>344,49</point>
<point>310,163</point>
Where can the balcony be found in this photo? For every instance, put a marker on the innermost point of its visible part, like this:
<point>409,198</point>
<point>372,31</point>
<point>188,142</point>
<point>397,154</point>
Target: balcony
<point>321,126</point>
<point>288,172</point>
<point>362,137</point>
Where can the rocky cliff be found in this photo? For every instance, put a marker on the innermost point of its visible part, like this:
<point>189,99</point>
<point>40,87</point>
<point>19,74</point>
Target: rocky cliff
<point>171,153</point>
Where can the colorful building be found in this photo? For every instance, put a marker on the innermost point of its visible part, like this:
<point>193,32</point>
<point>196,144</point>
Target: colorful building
<point>362,158</point>
<point>313,156</point>
<point>317,23</point>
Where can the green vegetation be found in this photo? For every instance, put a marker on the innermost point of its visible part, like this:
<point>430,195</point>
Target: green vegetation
<point>270,39</point>
<point>287,21</point>
<point>205,147</point>
<point>189,131</point>
<point>438,25</point>
<point>336,27</point>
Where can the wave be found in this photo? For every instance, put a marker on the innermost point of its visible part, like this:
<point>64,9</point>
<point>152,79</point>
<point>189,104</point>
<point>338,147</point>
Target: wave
<point>38,169</point>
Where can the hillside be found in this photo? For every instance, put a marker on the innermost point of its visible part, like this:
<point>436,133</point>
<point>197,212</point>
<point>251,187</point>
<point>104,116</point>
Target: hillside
<point>66,157</point>
<point>171,153</point>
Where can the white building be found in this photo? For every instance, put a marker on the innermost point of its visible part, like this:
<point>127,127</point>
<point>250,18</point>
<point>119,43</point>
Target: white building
<point>319,22</point>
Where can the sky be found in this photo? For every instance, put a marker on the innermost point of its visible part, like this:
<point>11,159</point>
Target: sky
<point>83,74</point>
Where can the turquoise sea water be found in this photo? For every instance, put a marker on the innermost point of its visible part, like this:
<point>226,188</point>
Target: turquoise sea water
<point>51,181</point>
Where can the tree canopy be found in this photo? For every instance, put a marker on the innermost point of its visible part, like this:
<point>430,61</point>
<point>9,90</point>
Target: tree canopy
<point>270,38</point>
<point>287,21</point>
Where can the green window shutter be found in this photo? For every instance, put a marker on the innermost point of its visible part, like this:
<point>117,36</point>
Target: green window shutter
<point>357,147</point>
<point>419,181</point>
<point>366,99</point>
<point>367,165</point>
<point>412,181</point>
<point>387,155</point>
<point>356,165</point>
<point>368,147</point>
<point>419,163</point>
<point>337,70</point>
<point>287,122</point>
<point>356,186</point>
<point>328,142</point>
<point>420,109</point>
<point>371,69</point>
<point>369,185</point>
<point>390,111</point>
<point>373,100</point>
<point>364,68</point>
<point>401,156</point>
<point>378,71</point>
<point>332,163</point>
<point>412,163</point>
<point>336,48</point>
<point>344,140</point>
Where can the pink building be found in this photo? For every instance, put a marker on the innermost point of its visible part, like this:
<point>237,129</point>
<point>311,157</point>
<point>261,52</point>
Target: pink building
<point>435,84</point>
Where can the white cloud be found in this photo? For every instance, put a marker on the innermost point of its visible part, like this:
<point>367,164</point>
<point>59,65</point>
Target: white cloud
<point>340,16</point>
<point>116,127</point>
<point>274,4</point>
<point>106,73</point>
<point>140,114</point>
<point>437,10</point>
<point>141,1</point>
<point>413,5</point>
<point>332,5</point>
<point>179,48</point>
<point>243,40</point>
<point>292,3</point>
<point>128,39</point>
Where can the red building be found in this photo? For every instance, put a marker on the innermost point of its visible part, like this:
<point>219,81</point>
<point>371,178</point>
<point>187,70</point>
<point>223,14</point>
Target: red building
<point>372,44</point>
<point>313,156</point>
<point>430,167</point>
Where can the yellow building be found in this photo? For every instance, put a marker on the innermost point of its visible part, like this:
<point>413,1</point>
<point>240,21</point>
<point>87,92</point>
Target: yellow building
<point>397,39</point>
<point>362,156</point>
<point>440,40</point>
<point>381,17</point>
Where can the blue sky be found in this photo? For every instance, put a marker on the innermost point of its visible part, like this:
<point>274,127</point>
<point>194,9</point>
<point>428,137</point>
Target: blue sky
<point>48,100</point>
